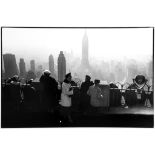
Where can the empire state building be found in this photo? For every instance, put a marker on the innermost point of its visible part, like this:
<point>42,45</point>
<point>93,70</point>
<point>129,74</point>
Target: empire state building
<point>85,61</point>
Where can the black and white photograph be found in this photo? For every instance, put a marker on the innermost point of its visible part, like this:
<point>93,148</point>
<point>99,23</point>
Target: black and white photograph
<point>77,77</point>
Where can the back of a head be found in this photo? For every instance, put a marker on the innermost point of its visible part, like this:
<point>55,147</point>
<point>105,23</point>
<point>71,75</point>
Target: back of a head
<point>68,78</point>
<point>87,78</point>
<point>47,73</point>
<point>96,81</point>
<point>140,79</point>
<point>68,75</point>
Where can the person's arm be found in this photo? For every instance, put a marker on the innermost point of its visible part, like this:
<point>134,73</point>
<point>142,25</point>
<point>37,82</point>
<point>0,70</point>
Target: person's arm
<point>66,90</point>
<point>88,92</point>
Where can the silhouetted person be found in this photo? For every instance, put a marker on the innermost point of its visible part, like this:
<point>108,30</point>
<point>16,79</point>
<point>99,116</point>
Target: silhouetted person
<point>84,97</point>
<point>29,95</point>
<point>49,90</point>
<point>115,95</point>
<point>96,96</point>
<point>15,93</point>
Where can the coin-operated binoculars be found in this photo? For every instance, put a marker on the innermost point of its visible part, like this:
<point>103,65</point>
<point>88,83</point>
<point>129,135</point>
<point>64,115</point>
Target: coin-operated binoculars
<point>122,91</point>
<point>142,90</point>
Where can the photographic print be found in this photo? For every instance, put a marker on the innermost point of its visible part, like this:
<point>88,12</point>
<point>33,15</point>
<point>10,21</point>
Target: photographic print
<point>77,77</point>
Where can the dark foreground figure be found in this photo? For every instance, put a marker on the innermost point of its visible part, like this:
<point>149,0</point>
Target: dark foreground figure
<point>49,92</point>
<point>29,112</point>
<point>84,97</point>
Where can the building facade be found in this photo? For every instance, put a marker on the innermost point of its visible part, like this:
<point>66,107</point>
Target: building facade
<point>85,57</point>
<point>61,67</point>
<point>22,68</point>
<point>51,64</point>
<point>32,65</point>
<point>10,65</point>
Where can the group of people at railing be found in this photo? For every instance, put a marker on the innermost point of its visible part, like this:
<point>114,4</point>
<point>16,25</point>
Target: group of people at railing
<point>55,97</point>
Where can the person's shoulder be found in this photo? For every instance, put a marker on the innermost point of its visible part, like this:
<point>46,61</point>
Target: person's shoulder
<point>83,84</point>
<point>91,87</point>
<point>65,84</point>
<point>53,79</point>
<point>42,78</point>
<point>91,83</point>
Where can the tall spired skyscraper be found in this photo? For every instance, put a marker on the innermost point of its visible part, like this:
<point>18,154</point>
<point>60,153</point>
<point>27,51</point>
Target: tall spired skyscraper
<point>51,64</point>
<point>85,61</point>
<point>61,67</point>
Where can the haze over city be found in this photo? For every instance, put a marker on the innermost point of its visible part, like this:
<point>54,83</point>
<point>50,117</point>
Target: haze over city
<point>106,47</point>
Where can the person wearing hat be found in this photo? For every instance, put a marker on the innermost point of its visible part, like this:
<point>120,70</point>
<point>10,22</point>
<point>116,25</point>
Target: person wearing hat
<point>84,97</point>
<point>95,94</point>
<point>65,103</point>
<point>49,91</point>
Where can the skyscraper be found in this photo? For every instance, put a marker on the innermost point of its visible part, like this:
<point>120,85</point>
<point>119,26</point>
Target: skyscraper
<point>22,68</point>
<point>39,71</point>
<point>51,64</point>
<point>10,65</point>
<point>32,65</point>
<point>3,70</point>
<point>85,61</point>
<point>61,67</point>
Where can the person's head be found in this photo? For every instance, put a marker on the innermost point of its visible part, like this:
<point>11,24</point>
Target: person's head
<point>87,78</point>
<point>96,82</point>
<point>68,77</point>
<point>30,81</point>
<point>47,73</point>
<point>15,78</point>
<point>140,79</point>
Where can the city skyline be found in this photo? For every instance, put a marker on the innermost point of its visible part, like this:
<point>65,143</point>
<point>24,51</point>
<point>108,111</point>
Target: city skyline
<point>104,44</point>
<point>88,40</point>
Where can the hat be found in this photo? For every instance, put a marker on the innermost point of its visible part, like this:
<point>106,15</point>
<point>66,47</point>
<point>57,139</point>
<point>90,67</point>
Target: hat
<point>96,81</point>
<point>47,72</point>
<point>67,75</point>
<point>87,76</point>
<point>138,77</point>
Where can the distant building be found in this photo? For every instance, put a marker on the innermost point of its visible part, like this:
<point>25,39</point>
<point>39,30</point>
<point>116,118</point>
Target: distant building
<point>61,67</point>
<point>22,68</point>
<point>30,75</point>
<point>32,65</point>
<point>39,71</point>
<point>85,68</point>
<point>10,65</point>
<point>3,70</point>
<point>51,64</point>
<point>40,68</point>
<point>85,61</point>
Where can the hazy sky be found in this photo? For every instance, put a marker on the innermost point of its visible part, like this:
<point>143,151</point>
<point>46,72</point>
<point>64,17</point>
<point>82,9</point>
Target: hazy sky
<point>104,44</point>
